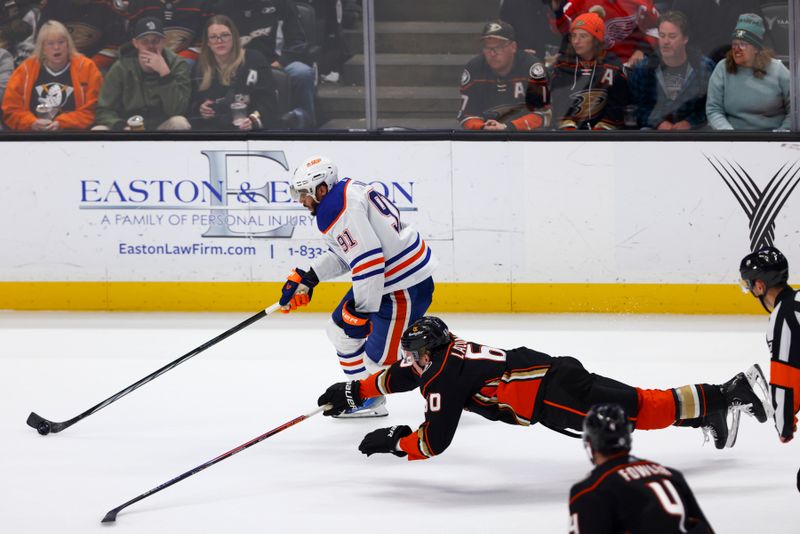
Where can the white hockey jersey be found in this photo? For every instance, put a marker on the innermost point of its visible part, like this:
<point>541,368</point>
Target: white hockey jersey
<point>365,236</point>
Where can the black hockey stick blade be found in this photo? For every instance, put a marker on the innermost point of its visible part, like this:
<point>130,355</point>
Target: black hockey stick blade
<point>111,515</point>
<point>44,426</point>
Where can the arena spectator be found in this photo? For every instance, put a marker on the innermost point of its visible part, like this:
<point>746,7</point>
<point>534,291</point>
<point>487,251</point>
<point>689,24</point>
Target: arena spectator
<point>147,81</point>
<point>533,25</point>
<point>54,89</point>
<point>504,88</point>
<point>226,77</point>
<point>749,90</point>
<point>669,87</point>
<point>258,22</point>
<point>183,22</point>
<point>96,27</point>
<point>334,50</point>
<point>630,25</point>
<point>710,20</point>
<point>590,88</point>
<point>18,23</point>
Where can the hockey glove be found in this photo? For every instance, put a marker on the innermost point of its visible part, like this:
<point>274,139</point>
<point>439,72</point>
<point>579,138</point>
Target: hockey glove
<point>341,396</point>
<point>297,290</point>
<point>356,325</point>
<point>384,440</point>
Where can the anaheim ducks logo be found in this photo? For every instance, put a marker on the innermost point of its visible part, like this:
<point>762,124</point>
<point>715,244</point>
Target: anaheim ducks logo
<point>492,28</point>
<point>588,104</point>
<point>465,77</point>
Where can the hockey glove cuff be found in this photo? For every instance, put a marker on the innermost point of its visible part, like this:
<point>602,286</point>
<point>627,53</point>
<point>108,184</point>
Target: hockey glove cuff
<point>356,325</point>
<point>384,440</point>
<point>297,290</point>
<point>341,396</point>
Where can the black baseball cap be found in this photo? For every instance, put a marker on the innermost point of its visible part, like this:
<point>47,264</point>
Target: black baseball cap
<point>148,26</point>
<point>499,29</point>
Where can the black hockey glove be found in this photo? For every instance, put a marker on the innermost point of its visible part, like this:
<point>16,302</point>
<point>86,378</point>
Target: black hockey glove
<point>297,290</point>
<point>384,440</point>
<point>341,396</point>
<point>355,324</point>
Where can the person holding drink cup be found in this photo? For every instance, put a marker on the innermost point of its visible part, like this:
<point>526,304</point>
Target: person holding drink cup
<point>232,86</point>
<point>54,89</point>
<point>147,80</point>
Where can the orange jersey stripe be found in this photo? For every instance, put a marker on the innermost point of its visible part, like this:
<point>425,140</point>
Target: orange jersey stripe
<point>408,262</point>
<point>602,478</point>
<point>784,375</point>
<point>367,265</point>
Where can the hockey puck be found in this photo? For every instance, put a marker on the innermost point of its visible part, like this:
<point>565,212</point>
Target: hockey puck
<point>43,428</point>
<point>798,480</point>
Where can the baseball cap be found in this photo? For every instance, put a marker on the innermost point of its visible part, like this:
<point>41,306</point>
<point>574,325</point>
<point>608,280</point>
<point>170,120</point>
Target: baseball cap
<point>500,30</point>
<point>148,26</point>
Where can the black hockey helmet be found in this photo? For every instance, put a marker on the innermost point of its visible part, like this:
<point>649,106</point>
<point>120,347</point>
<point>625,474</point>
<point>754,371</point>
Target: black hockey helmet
<point>607,429</point>
<point>426,333</point>
<point>767,264</point>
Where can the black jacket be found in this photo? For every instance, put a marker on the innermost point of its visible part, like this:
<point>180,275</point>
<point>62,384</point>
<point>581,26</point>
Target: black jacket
<point>252,83</point>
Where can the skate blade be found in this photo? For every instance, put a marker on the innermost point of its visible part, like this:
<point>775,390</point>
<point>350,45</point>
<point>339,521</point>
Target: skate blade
<point>759,383</point>
<point>733,428</point>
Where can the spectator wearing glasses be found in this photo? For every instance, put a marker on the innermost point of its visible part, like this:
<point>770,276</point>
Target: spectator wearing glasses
<point>232,87</point>
<point>148,82</point>
<point>590,88</point>
<point>259,23</point>
<point>669,87</point>
<point>504,88</point>
<point>749,90</point>
<point>54,89</point>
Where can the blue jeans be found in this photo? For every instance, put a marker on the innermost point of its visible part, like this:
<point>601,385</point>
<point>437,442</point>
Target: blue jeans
<point>301,81</point>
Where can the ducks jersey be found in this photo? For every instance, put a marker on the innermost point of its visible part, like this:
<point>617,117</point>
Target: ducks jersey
<point>627,494</point>
<point>496,384</point>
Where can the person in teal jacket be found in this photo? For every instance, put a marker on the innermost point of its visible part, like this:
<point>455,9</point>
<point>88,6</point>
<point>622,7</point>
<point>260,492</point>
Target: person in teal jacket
<point>147,80</point>
<point>749,89</point>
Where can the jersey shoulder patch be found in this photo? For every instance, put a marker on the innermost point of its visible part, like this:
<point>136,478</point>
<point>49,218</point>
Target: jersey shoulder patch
<point>332,206</point>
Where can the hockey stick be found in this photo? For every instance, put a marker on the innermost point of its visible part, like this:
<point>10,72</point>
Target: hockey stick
<point>44,427</point>
<point>111,516</point>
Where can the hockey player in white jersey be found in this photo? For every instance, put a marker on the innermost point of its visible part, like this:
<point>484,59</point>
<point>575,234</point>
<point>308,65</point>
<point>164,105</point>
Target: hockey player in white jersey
<point>389,262</point>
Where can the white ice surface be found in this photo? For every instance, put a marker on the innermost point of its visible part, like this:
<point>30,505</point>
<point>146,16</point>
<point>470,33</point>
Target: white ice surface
<point>311,477</point>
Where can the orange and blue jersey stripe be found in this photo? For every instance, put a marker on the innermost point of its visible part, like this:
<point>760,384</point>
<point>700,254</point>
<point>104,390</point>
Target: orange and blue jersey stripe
<point>408,262</point>
<point>367,265</point>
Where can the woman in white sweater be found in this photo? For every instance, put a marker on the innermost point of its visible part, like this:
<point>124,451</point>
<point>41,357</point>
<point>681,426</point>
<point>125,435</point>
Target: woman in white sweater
<point>749,89</point>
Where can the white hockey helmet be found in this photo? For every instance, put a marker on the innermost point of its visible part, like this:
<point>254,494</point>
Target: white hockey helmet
<point>312,172</point>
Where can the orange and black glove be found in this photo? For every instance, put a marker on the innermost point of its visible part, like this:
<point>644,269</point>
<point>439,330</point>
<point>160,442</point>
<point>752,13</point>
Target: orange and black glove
<point>297,290</point>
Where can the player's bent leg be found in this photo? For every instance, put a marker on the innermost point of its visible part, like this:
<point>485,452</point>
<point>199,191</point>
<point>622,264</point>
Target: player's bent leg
<point>350,351</point>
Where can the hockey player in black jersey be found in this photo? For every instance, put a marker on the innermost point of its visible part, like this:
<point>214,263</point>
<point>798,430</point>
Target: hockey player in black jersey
<point>765,273</point>
<point>628,494</point>
<point>523,387</point>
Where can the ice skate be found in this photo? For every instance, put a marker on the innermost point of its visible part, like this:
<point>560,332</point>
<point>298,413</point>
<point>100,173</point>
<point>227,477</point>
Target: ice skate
<point>740,394</point>
<point>374,407</point>
<point>717,427</point>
